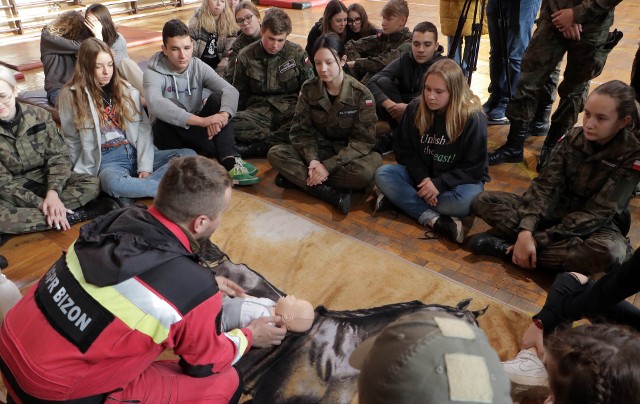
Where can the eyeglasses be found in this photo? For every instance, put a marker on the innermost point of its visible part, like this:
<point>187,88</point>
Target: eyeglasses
<point>356,20</point>
<point>6,99</point>
<point>245,20</point>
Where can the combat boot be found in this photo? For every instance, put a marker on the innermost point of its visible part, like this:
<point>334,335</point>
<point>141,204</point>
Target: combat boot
<point>539,126</point>
<point>257,149</point>
<point>548,146</point>
<point>486,244</point>
<point>282,182</point>
<point>512,150</point>
<point>93,209</point>
<point>336,198</point>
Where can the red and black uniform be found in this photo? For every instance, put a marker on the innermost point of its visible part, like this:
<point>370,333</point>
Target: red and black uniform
<point>128,288</point>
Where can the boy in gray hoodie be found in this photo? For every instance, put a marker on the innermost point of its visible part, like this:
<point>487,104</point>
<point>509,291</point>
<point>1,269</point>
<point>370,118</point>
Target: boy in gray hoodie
<point>173,85</point>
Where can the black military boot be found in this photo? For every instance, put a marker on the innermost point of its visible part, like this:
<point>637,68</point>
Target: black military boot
<point>3,262</point>
<point>512,150</point>
<point>282,182</point>
<point>337,198</point>
<point>257,149</point>
<point>547,147</point>
<point>93,209</point>
<point>539,126</point>
<point>486,244</point>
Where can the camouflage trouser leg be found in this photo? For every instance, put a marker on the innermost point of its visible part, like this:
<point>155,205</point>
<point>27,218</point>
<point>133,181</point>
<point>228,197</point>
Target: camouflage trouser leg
<point>598,252</point>
<point>500,211</point>
<point>585,60</point>
<point>263,122</point>
<point>79,190</point>
<point>358,174</point>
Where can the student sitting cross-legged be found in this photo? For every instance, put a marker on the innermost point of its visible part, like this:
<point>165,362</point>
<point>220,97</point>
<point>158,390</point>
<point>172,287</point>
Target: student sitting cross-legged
<point>174,83</point>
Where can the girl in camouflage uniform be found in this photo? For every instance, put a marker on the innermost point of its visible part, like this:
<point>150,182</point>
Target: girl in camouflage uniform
<point>38,188</point>
<point>248,19</point>
<point>333,132</point>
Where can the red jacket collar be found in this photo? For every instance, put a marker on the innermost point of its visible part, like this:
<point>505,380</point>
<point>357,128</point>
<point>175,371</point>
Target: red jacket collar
<point>173,228</point>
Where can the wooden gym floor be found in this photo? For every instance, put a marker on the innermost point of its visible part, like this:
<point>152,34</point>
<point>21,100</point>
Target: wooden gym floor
<point>31,255</point>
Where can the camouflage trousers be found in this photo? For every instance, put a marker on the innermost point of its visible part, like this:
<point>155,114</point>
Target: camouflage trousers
<point>358,174</point>
<point>263,121</point>
<point>78,191</point>
<point>585,60</point>
<point>597,252</point>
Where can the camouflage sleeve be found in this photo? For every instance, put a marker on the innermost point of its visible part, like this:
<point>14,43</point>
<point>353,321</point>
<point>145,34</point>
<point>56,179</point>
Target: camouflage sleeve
<point>57,161</point>
<point>229,71</point>
<point>590,9</point>
<point>361,47</point>
<point>374,64</point>
<point>303,133</point>
<point>241,81</point>
<point>306,72</point>
<point>14,193</point>
<point>363,135</point>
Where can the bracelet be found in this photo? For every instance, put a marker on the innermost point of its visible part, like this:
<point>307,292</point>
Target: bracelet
<point>538,323</point>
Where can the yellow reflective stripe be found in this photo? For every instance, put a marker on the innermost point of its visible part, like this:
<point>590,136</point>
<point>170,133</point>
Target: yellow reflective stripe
<point>240,340</point>
<point>138,316</point>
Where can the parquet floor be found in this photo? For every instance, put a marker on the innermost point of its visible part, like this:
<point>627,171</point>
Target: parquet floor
<point>30,255</point>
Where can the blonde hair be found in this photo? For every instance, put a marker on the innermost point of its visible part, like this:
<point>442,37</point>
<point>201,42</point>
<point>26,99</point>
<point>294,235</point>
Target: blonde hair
<point>462,101</point>
<point>223,25</point>
<point>8,77</point>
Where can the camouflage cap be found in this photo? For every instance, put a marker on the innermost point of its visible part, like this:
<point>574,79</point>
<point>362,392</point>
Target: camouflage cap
<point>429,357</point>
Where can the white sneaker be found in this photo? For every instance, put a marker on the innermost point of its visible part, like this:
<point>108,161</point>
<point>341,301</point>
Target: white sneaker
<point>528,375</point>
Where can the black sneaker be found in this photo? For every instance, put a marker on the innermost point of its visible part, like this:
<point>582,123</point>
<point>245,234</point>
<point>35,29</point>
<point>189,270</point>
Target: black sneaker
<point>450,227</point>
<point>486,244</point>
<point>282,182</point>
<point>3,262</point>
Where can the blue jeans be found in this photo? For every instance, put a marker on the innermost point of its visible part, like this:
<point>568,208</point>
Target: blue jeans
<point>119,171</point>
<point>519,18</point>
<point>395,183</point>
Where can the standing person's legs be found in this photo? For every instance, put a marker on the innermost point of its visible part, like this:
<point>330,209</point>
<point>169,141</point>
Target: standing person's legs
<point>165,382</point>
<point>599,252</point>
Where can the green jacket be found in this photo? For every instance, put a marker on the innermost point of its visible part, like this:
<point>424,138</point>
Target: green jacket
<point>241,42</point>
<point>32,150</point>
<point>594,15</point>
<point>582,188</point>
<point>348,126</point>
<point>373,53</point>
<point>276,78</point>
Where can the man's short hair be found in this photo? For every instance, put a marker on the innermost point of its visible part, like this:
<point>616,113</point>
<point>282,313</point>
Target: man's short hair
<point>426,26</point>
<point>173,28</point>
<point>192,186</point>
<point>398,8</point>
<point>277,21</point>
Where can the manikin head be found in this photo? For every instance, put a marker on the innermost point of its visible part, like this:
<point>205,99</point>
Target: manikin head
<point>297,315</point>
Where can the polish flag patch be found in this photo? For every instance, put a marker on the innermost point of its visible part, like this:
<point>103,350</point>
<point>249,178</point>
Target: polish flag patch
<point>368,103</point>
<point>636,165</point>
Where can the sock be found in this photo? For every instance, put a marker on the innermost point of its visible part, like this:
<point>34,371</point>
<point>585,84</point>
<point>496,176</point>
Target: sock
<point>433,221</point>
<point>228,163</point>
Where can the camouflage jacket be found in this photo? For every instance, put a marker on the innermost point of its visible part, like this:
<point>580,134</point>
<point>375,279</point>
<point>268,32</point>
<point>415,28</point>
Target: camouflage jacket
<point>34,150</point>
<point>276,78</point>
<point>241,42</point>
<point>348,126</point>
<point>374,52</point>
<point>594,15</point>
<point>583,186</point>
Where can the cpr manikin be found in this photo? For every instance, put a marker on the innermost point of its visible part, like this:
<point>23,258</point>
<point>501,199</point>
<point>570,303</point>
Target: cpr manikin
<point>297,314</point>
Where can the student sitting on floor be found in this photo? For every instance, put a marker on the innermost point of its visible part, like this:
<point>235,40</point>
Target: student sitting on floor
<point>173,85</point>
<point>401,80</point>
<point>367,56</point>
<point>107,131</point>
<point>575,214</point>
<point>213,30</point>
<point>334,19</point>
<point>441,149</point>
<point>248,19</point>
<point>333,132</point>
<point>358,25</point>
<point>268,75</point>
<point>38,188</point>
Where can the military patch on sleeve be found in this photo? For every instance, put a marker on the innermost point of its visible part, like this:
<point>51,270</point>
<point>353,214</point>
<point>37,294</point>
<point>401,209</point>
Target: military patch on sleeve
<point>348,111</point>
<point>286,66</point>
<point>368,103</point>
<point>636,165</point>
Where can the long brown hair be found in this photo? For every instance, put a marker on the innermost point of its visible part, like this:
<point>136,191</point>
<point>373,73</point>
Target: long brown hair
<point>366,28</point>
<point>84,78</point>
<point>462,102</point>
<point>69,25</point>
<point>333,7</point>
<point>109,31</point>
<point>223,25</point>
